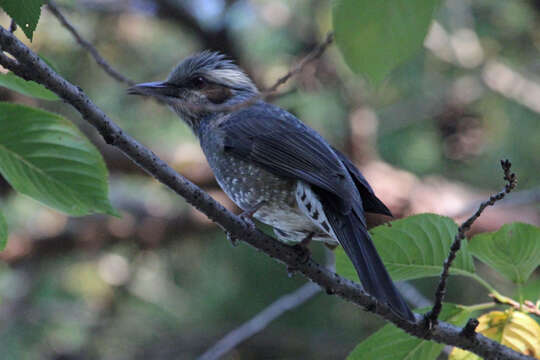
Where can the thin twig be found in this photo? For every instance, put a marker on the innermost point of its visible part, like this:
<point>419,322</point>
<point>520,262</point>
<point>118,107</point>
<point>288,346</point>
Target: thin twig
<point>33,68</point>
<point>261,320</point>
<point>314,55</point>
<point>511,183</point>
<point>266,94</point>
<point>517,198</point>
<point>87,45</point>
<point>527,306</point>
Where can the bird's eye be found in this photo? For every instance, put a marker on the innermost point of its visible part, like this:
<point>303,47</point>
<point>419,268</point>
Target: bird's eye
<point>198,82</point>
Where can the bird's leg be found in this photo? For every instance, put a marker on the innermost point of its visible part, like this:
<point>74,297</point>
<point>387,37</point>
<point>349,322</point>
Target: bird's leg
<point>247,216</point>
<point>307,240</point>
<point>302,248</point>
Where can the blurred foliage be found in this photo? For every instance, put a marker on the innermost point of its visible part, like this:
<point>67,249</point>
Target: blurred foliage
<point>134,297</point>
<point>373,47</point>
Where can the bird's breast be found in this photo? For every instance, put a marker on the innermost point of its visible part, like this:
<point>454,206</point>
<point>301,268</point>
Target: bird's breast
<point>248,184</point>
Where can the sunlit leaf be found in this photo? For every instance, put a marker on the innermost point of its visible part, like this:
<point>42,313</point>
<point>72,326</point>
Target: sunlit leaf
<point>3,232</point>
<point>28,88</point>
<point>513,250</point>
<point>511,328</point>
<point>376,36</point>
<point>392,343</point>
<point>25,13</point>
<point>47,158</point>
<point>414,247</point>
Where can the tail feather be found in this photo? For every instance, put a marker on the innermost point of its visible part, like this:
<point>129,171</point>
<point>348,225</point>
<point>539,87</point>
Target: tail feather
<point>357,243</point>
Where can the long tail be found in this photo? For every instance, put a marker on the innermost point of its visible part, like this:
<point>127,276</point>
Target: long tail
<point>356,242</point>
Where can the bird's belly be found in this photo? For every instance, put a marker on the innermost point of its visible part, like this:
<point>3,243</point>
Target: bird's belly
<point>249,185</point>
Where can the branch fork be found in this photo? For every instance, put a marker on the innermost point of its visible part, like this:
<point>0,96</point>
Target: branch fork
<point>510,178</point>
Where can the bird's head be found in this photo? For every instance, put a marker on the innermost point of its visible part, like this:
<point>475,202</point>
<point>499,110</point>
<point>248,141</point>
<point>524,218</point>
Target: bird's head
<point>198,84</point>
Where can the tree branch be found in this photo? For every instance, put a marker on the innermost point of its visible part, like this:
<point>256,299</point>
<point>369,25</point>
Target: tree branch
<point>511,183</point>
<point>87,45</point>
<point>260,321</point>
<point>33,68</point>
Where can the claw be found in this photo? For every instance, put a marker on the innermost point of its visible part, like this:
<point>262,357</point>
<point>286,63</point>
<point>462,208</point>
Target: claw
<point>303,252</point>
<point>233,239</point>
<point>307,240</point>
<point>291,271</point>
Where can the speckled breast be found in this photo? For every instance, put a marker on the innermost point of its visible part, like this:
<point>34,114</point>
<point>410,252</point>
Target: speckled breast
<point>248,185</point>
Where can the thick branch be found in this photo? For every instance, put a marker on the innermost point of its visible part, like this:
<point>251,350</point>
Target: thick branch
<point>33,68</point>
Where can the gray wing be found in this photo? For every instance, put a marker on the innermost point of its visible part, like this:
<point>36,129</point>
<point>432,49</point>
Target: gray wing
<point>280,143</point>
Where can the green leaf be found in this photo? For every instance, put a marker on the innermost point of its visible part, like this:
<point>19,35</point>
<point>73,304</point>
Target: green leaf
<point>47,158</point>
<point>513,250</point>
<point>28,88</point>
<point>24,12</point>
<point>414,247</point>
<point>376,36</point>
<point>3,232</point>
<point>531,290</point>
<point>392,343</point>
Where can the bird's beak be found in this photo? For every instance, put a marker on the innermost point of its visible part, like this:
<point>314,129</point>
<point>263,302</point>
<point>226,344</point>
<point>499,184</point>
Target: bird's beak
<point>156,88</point>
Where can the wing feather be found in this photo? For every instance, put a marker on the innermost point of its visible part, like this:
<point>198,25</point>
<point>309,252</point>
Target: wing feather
<point>279,142</point>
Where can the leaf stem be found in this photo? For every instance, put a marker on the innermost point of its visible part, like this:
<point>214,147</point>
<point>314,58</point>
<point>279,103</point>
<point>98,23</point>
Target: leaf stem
<point>520,295</point>
<point>482,306</point>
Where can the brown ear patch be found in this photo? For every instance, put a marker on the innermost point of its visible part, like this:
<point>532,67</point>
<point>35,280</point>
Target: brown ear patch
<point>217,94</point>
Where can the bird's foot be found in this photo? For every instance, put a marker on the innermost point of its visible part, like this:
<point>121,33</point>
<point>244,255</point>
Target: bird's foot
<point>233,239</point>
<point>428,324</point>
<point>247,218</point>
<point>302,248</point>
<point>304,254</point>
<point>291,270</point>
<point>307,240</point>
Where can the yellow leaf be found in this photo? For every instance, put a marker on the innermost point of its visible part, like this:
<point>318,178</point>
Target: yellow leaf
<point>460,354</point>
<point>512,328</point>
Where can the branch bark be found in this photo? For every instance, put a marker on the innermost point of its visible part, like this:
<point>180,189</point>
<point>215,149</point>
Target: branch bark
<point>30,67</point>
<point>510,184</point>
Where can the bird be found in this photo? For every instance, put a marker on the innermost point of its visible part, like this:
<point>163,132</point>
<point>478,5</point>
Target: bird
<point>275,168</point>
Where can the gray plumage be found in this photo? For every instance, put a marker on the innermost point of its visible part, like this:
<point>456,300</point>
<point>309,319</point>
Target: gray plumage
<point>263,157</point>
